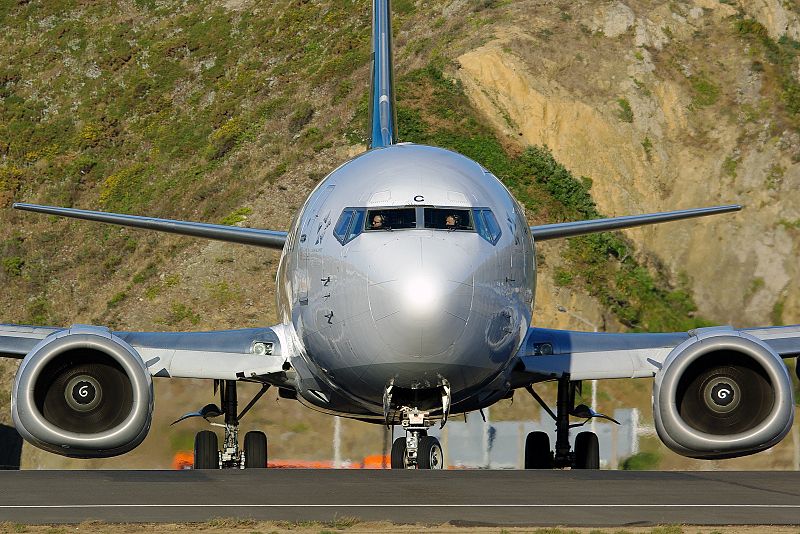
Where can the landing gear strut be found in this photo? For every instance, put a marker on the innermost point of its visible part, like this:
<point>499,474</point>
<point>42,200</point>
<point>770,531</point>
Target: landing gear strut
<point>417,450</point>
<point>586,454</point>
<point>206,452</point>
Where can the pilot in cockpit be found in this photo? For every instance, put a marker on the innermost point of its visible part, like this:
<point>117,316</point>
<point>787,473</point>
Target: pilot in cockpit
<point>450,222</point>
<point>377,222</point>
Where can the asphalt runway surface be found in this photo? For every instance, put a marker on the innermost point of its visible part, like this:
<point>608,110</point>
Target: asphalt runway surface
<point>569,498</point>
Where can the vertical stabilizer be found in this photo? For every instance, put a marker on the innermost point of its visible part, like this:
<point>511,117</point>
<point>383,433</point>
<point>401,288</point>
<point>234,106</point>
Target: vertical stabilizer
<point>383,119</point>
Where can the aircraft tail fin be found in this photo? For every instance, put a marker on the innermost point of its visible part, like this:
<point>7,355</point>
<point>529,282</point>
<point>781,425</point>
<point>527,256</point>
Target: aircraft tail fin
<point>383,114</point>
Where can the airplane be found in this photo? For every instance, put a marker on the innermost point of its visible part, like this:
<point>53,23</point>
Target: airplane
<point>405,292</point>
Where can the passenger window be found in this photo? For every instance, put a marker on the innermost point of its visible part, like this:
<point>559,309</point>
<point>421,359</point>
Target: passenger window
<point>487,225</point>
<point>448,219</point>
<point>391,219</point>
<point>349,225</point>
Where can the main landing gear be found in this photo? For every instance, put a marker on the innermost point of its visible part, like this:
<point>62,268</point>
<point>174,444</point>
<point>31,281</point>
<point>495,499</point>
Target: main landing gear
<point>207,454</point>
<point>586,453</point>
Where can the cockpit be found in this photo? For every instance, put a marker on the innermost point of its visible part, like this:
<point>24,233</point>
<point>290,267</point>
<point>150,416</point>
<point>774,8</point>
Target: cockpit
<point>353,221</point>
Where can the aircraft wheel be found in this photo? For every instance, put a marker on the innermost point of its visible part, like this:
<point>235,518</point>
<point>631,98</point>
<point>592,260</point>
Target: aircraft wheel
<point>255,450</point>
<point>429,453</point>
<point>399,453</point>
<point>206,453</point>
<point>587,451</point>
<point>537,451</point>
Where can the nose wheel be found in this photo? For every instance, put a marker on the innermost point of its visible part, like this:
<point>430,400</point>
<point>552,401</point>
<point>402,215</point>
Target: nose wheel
<point>417,450</point>
<point>428,454</point>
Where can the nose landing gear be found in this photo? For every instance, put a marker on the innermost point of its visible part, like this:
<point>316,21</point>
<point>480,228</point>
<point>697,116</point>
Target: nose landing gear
<point>585,455</point>
<point>417,450</point>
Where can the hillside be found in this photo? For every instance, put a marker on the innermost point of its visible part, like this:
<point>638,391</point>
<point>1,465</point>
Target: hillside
<point>232,112</point>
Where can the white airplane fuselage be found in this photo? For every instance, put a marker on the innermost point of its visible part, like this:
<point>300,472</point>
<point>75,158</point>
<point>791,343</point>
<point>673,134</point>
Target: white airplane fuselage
<point>414,307</point>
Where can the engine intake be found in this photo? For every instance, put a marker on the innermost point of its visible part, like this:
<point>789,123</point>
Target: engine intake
<point>83,393</point>
<point>722,394</point>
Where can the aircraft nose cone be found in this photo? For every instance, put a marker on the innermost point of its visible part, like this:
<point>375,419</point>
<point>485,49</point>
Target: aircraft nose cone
<point>420,294</point>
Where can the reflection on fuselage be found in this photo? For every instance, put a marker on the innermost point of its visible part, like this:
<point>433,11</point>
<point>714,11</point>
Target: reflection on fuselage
<point>418,300</point>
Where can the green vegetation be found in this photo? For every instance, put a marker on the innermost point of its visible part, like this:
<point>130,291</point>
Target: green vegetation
<point>781,63</point>
<point>774,177</point>
<point>117,299</point>
<point>236,216</point>
<point>604,265</point>
<point>641,461</point>
<point>647,145</point>
<point>39,311</point>
<point>756,285</point>
<point>776,316</point>
<point>625,113</point>
<point>180,313</point>
<point>13,266</point>
<point>729,166</point>
<point>222,293</point>
<point>705,92</point>
<point>562,277</point>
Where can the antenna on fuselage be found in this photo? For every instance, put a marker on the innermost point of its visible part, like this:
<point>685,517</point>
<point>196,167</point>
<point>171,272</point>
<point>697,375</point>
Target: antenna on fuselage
<point>383,117</point>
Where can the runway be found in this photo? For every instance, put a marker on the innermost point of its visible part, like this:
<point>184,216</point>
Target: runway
<point>569,498</point>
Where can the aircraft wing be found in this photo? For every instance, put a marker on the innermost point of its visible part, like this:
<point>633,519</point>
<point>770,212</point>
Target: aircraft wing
<point>222,355</point>
<point>571,229</point>
<point>549,353</point>
<point>222,232</point>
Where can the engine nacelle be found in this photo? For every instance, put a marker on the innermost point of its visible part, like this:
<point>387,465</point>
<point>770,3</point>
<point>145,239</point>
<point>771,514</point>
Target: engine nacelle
<point>83,393</point>
<point>722,394</point>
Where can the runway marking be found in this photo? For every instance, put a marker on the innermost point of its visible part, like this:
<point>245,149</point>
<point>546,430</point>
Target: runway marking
<point>526,505</point>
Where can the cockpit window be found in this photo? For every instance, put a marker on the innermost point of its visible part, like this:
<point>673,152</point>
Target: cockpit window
<point>486,224</point>
<point>448,219</point>
<point>349,225</point>
<point>391,219</point>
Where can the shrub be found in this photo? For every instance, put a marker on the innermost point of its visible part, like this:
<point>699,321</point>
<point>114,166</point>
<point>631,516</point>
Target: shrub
<point>641,461</point>
<point>625,113</point>
<point>13,265</point>
<point>705,92</point>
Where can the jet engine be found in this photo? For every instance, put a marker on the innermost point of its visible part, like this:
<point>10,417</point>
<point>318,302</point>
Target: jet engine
<point>84,393</point>
<point>722,394</point>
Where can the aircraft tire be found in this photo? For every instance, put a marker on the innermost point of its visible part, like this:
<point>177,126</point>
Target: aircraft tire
<point>255,450</point>
<point>206,453</point>
<point>398,458</point>
<point>587,451</point>
<point>429,453</point>
<point>537,451</point>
